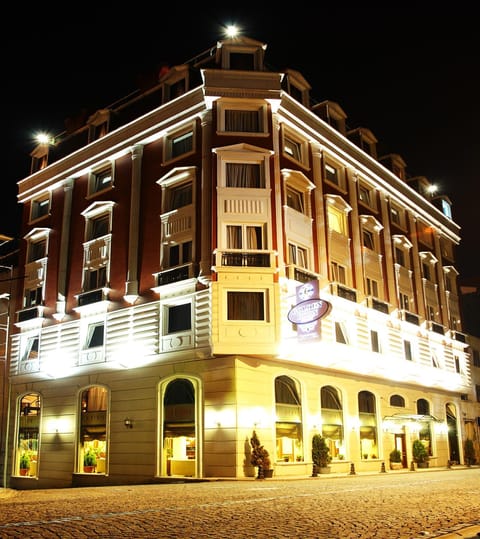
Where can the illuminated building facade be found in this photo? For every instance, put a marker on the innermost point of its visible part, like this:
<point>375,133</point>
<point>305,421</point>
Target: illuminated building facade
<point>168,241</point>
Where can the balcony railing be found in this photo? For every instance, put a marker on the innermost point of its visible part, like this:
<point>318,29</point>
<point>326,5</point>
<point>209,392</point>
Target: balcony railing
<point>174,275</point>
<point>299,274</point>
<point>91,296</point>
<point>259,260</point>
<point>407,316</point>
<point>344,292</point>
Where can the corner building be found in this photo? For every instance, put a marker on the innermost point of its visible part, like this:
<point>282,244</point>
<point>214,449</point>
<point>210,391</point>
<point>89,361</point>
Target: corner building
<point>168,239</point>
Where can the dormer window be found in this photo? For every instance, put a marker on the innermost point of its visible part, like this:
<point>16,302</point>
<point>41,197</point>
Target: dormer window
<point>241,54</point>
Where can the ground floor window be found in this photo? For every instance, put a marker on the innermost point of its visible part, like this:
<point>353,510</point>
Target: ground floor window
<point>26,459</point>
<point>93,430</point>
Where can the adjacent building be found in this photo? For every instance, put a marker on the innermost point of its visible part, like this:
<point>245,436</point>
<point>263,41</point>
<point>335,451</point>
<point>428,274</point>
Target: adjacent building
<point>218,254</point>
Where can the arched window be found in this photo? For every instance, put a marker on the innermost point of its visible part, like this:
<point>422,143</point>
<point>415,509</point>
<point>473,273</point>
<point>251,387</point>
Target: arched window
<point>397,400</point>
<point>179,433</point>
<point>332,420</point>
<point>368,425</point>
<point>288,426</point>
<point>425,431</point>
<point>29,414</point>
<point>93,443</point>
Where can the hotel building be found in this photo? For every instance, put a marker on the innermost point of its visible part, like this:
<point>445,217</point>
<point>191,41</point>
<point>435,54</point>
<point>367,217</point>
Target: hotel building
<point>218,254</point>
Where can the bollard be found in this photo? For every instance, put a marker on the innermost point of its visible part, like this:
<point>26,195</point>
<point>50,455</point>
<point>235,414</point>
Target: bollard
<point>352,469</point>
<point>382,468</point>
<point>412,466</point>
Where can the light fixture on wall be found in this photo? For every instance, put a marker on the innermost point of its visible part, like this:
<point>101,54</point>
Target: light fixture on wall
<point>128,423</point>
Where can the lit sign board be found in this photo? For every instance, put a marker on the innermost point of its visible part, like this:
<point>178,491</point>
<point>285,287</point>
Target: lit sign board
<point>308,311</point>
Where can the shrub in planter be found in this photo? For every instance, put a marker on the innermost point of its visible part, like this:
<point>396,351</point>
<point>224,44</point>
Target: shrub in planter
<point>89,461</point>
<point>420,454</point>
<point>260,457</point>
<point>320,455</point>
<point>24,463</point>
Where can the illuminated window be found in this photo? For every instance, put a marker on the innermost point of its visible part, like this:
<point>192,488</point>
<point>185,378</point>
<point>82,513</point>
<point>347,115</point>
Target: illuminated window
<point>93,441</point>
<point>337,220</point>
<point>27,452</point>
<point>368,425</point>
<point>332,421</point>
<point>288,426</point>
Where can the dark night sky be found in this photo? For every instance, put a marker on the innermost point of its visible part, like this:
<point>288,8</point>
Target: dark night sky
<point>410,75</point>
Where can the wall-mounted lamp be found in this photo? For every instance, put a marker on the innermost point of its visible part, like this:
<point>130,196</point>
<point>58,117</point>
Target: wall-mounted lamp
<point>128,423</point>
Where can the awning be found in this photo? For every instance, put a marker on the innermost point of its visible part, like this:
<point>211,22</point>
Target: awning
<point>411,417</point>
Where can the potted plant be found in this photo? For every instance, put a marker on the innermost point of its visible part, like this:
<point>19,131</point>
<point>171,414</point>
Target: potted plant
<point>260,458</point>
<point>320,455</point>
<point>396,459</point>
<point>469,449</point>
<point>420,454</point>
<point>89,461</point>
<point>24,463</point>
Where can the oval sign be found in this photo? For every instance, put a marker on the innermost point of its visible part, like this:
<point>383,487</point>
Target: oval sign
<point>309,311</point>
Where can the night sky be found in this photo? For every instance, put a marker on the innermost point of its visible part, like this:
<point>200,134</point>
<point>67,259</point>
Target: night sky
<point>410,75</point>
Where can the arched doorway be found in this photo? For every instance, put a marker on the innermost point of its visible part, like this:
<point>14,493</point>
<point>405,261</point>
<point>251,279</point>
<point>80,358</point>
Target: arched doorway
<point>179,429</point>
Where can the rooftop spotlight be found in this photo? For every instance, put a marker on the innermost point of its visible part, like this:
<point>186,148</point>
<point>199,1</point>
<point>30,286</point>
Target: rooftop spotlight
<point>44,138</point>
<point>232,30</point>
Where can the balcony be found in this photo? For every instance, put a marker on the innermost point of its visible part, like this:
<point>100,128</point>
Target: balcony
<point>436,328</point>
<point>378,304</point>
<point>30,314</point>
<point>407,316</point>
<point>91,296</point>
<point>174,275</point>
<point>344,292</point>
<point>242,259</point>
<point>300,274</point>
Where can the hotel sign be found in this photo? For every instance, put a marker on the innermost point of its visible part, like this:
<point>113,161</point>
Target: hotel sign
<point>308,311</point>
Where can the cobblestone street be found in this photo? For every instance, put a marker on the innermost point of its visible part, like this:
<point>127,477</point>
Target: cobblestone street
<point>392,505</point>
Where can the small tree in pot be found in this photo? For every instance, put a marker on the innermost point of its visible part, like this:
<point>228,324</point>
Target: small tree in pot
<point>259,457</point>
<point>420,454</point>
<point>320,455</point>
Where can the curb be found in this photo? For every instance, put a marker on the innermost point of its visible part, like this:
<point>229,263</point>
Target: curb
<point>472,532</point>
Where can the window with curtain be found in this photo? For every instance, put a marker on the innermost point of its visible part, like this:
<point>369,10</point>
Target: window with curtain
<point>245,237</point>
<point>246,306</point>
<point>245,175</point>
<point>243,121</point>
